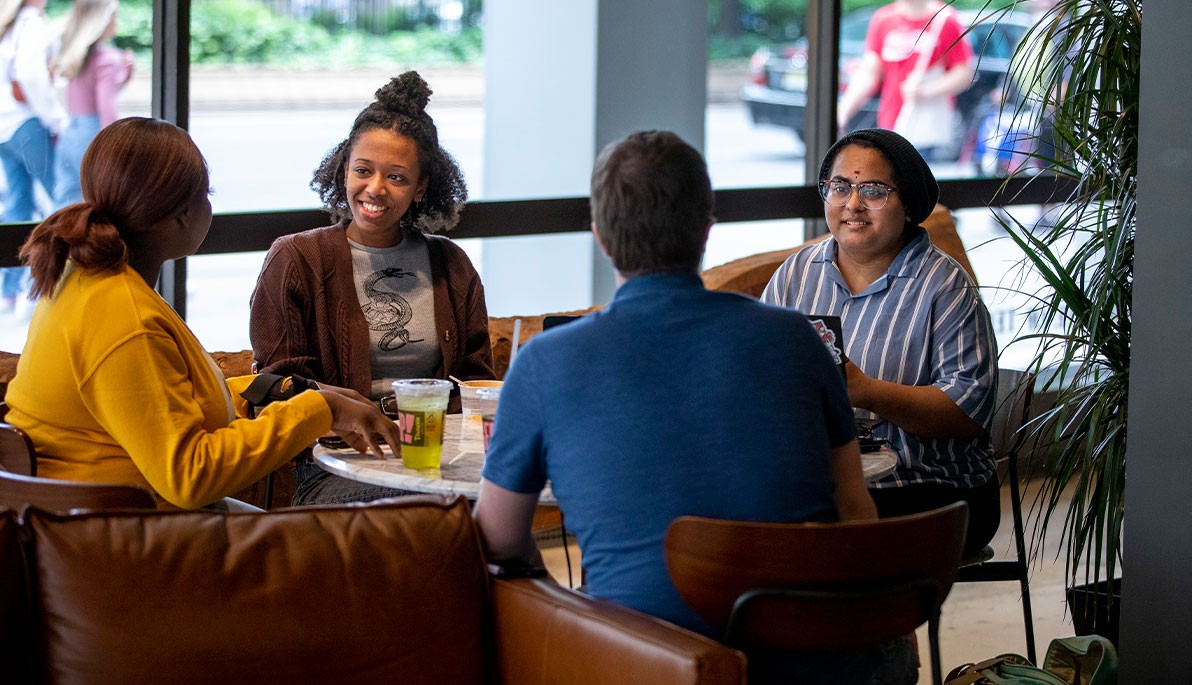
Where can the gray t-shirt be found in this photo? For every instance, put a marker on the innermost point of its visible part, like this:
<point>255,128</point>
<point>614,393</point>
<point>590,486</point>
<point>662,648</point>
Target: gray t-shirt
<point>394,288</point>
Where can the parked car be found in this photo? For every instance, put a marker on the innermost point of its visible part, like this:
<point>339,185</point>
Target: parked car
<point>777,90</point>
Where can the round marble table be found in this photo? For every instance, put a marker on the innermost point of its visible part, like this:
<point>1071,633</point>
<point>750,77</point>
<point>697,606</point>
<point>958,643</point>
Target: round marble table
<point>463,459</point>
<point>458,474</point>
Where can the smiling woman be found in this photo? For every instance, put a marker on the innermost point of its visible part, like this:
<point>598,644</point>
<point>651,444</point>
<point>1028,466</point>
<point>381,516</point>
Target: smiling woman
<point>383,179</point>
<point>870,234</point>
<point>919,342</point>
<point>374,297</point>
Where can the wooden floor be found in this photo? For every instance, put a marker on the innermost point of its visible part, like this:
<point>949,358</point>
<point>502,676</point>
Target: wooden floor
<point>980,620</point>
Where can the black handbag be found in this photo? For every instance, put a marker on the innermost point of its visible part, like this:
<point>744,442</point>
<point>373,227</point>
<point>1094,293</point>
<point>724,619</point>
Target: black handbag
<point>267,388</point>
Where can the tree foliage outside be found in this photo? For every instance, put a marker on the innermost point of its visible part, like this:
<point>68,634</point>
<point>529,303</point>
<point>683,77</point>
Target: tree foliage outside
<point>226,32</point>
<point>248,32</point>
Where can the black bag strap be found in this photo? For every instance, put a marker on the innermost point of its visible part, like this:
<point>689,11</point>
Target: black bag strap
<point>270,387</point>
<point>973,674</point>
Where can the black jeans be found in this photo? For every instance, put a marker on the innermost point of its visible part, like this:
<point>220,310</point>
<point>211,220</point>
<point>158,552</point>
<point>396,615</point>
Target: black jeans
<point>313,485</point>
<point>890,664</point>
<point>985,507</point>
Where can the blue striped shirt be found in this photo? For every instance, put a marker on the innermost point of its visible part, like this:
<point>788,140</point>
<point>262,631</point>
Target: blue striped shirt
<point>922,324</point>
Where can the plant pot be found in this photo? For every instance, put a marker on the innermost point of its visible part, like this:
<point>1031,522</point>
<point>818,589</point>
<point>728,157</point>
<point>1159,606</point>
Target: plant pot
<point>1096,608</point>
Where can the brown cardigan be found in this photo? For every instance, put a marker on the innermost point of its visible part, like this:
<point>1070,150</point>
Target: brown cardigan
<point>306,316</point>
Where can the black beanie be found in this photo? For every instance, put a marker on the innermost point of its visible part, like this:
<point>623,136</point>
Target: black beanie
<point>916,184</point>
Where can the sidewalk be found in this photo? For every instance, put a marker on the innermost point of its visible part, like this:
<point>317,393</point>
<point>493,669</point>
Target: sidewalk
<point>274,88</point>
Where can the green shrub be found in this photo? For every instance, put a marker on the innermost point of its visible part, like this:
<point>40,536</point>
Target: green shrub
<point>430,46</point>
<point>721,48</point>
<point>245,32</point>
<point>134,28</point>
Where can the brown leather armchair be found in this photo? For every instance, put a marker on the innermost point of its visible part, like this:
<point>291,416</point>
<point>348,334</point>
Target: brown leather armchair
<point>396,591</point>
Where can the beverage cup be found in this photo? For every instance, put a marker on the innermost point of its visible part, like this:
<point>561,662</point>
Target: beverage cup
<point>470,404</point>
<point>487,399</point>
<point>467,395</point>
<point>421,413</point>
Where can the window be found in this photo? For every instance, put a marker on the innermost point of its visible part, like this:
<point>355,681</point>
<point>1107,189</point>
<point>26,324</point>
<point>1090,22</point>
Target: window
<point>265,105</point>
<point>756,134</point>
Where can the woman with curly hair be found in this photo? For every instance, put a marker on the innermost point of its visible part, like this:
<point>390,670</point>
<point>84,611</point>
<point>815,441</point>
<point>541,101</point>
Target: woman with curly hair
<point>112,386</point>
<point>375,296</point>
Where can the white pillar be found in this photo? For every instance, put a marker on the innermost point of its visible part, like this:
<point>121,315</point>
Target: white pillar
<point>562,80</point>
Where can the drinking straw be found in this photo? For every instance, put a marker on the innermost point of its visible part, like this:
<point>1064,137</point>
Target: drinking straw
<point>516,336</point>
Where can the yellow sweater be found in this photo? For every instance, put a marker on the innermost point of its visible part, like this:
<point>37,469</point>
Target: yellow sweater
<point>113,387</point>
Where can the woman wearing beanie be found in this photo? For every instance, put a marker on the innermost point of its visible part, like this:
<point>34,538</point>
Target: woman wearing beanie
<point>920,345</point>
<point>375,296</point>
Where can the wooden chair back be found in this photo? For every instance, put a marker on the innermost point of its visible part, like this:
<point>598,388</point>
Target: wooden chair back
<point>18,492</point>
<point>16,451</point>
<point>817,586</point>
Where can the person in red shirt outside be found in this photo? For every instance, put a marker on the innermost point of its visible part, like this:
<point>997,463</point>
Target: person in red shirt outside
<point>897,34</point>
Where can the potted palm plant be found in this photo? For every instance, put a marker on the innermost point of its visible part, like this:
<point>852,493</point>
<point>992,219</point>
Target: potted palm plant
<point>1078,73</point>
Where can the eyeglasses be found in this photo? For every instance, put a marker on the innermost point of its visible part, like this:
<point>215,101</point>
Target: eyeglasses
<point>838,193</point>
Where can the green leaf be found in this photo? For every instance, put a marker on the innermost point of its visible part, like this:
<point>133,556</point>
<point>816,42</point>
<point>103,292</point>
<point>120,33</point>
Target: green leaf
<point>1079,71</point>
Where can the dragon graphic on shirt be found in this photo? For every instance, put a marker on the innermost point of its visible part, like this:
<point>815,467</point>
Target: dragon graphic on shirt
<point>387,311</point>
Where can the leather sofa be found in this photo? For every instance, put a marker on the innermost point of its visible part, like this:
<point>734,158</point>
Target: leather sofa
<point>391,592</point>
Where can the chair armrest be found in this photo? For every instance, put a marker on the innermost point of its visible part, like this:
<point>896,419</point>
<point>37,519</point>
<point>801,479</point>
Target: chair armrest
<point>544,633</point>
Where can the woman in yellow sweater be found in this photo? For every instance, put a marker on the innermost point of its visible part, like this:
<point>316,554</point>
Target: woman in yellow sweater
<point>112,386</point>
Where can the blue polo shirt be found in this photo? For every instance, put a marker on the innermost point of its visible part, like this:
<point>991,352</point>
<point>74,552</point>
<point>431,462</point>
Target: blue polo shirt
<point>923,323</point>
<point>672,400</point>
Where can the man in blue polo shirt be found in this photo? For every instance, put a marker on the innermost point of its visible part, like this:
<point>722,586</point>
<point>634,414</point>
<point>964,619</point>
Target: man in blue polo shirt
<point>672,400</point>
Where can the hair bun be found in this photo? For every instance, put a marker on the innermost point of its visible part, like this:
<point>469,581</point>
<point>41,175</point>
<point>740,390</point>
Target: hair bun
<point>407,93</point>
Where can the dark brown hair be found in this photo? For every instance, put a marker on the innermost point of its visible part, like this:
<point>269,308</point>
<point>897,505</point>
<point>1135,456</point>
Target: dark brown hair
<point>400,108</point>
<point>136,173</point>
<point>651,201</point>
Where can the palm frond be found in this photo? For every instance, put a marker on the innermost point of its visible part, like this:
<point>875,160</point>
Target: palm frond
<point>1078,73</point>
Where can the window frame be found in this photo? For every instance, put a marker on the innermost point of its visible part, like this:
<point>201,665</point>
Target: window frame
<point>255,231</point>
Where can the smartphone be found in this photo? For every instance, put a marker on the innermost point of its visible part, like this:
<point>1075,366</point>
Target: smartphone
<point>337,443</point>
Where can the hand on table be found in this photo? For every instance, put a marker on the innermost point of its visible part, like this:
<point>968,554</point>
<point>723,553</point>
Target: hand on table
<point>359,422</point>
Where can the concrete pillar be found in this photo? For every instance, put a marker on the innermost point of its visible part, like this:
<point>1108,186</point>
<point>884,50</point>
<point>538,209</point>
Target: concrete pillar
<point>562,80</point>
<point>1156,602</point>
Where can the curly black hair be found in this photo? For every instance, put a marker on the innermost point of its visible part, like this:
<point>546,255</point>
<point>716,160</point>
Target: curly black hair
<point>400,107</point>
